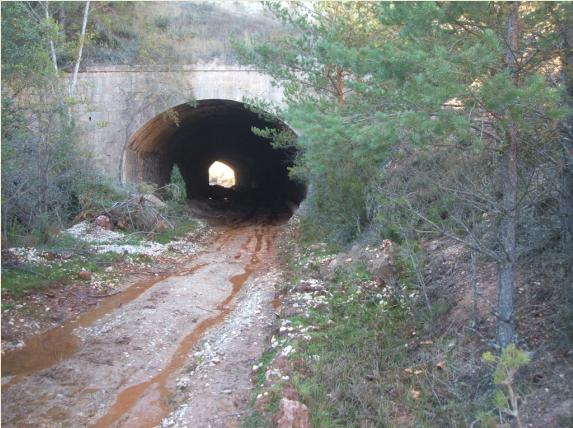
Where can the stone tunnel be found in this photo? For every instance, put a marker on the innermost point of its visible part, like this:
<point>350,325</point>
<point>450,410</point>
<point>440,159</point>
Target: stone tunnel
<point>196,136</point>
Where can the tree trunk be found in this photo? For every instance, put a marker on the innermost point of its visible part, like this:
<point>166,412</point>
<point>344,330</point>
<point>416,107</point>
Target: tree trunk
<point>475,313</point>
<point>506,321</point>
<point>52,47</point>
<point>340,85</point>
<point>508,226</point>
<point>566,191</point>
<point>74,78</point>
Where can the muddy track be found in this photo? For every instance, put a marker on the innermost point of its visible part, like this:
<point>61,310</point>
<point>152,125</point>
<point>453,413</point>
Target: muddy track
<point>118,364</point>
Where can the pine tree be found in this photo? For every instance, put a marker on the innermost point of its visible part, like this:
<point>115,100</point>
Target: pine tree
<point>368,83</point>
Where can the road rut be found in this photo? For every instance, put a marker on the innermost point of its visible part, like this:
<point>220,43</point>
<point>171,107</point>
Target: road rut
<point>120,362</point>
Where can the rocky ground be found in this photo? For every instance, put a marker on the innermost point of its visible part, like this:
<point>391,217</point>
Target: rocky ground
<point>217,386</point>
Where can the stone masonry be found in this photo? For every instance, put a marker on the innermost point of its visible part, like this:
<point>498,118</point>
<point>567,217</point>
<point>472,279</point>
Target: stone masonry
<point>115,101</point>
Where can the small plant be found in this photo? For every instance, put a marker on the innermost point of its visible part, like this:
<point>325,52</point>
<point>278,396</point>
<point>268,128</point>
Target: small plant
<point>6,306</point>
<point>162,22</point>
<point>177,190</point>
<point>507,365</point>
<point>361,272</point>
<point>147,188</point>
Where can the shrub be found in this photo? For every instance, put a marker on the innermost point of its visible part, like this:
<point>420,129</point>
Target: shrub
<point>506,366</point>
<point>162,22</point>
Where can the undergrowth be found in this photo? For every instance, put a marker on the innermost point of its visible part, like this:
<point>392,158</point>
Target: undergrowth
<point>378,356</point>
<point>65,257</point>
<point>373,371</point>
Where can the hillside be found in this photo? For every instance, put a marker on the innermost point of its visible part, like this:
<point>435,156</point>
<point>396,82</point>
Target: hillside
<point>174,32</point>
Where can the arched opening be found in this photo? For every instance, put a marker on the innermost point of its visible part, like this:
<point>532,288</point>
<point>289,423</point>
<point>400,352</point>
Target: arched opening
<point>221,174</point>
<point>210,131</point>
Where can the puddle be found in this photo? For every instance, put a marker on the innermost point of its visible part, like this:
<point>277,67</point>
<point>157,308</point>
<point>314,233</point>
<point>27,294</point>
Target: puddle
<point>157,408</point>
<point>50,348</point>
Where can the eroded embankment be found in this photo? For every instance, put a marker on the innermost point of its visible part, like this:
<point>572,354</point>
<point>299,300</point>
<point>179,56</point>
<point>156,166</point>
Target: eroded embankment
<point>117,364</point>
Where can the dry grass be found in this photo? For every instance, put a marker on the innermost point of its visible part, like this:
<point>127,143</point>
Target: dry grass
<point>175,32</point>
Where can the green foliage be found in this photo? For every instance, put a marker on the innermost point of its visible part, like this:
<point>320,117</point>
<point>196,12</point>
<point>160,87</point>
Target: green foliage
<point>336,157</point>
<point>506,366</point>
<point>24,56</point>
<point>146,187</point>
<point>178,190</point>
<point>95,193</point>
<point>367,351</point>
<point>408,263</point>
<point>367,84</point>
<point>162,22</point>
<point>374,88</point>
<point>175,197</point>
<point>6,306</point>
<point>41,165</point>
<point>403,113</point>
<point>264,363</point>
<point>353,334</point>
<point>181,228</point>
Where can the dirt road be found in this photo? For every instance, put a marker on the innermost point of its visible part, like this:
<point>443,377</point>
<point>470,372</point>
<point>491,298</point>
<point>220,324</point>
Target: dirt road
<point>175,351</point>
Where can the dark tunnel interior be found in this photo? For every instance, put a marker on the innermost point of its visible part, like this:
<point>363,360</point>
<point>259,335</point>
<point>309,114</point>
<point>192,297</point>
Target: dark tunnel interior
<point>209,131</point>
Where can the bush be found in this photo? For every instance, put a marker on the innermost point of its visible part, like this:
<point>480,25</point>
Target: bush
<point>178,188</point>
<point>162,22</point>
<point>99,192</point>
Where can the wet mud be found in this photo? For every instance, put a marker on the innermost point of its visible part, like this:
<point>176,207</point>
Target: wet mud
<point>116,365</point>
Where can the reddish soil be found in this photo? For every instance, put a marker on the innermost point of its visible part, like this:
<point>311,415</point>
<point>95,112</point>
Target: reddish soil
<point>130,359</point>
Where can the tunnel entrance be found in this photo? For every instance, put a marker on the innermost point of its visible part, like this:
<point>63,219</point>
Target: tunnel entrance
<point>211,131</point>
<point>221,174</point>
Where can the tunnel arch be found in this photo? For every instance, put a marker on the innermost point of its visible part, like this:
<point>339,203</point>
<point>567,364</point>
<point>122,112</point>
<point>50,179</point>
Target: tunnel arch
<point>206,131</point>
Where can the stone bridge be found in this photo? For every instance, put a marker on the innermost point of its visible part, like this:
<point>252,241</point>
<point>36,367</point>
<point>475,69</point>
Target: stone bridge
<point>137,123</point>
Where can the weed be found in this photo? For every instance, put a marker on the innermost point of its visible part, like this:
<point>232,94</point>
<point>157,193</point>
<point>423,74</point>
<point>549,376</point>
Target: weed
<point>566,421</point>
<point>7,306</point>
<point>64,240</point>
<point>373,356</point>
<point>254,420</point>
<point>361,272</point>
<point>142,258</point>
<point>264,363</point>
<point>162,22</point>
